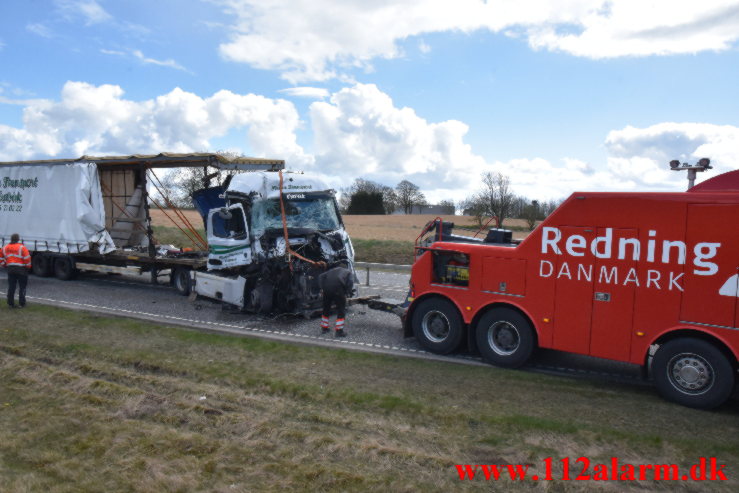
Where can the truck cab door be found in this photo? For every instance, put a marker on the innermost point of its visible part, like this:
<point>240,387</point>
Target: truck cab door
<point>229,243</point>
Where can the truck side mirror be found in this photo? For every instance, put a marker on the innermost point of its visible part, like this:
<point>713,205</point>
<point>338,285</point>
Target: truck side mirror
<point>225,214</point>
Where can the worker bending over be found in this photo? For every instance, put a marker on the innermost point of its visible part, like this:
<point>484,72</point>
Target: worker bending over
<point>336,284</point>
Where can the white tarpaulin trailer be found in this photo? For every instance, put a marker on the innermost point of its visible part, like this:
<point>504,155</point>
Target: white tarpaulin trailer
<point>54,207</point>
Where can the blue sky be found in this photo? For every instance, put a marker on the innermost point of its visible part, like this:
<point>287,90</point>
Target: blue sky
<point>559,95</point>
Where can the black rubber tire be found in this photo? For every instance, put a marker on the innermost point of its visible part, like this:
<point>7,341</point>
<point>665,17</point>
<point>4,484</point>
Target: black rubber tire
<point>42,265</point>
<point>505,338</point>
<point>181,281</point>
<point>437,325</point>
<point>64,269</point>
<point>707,377</point>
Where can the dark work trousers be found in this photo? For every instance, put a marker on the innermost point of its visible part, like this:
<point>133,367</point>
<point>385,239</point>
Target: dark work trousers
<point>334,297</point>
<point>17,276</point>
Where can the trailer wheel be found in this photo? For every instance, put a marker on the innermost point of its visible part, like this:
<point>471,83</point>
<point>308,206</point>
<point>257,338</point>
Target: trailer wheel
<point>64,269</point>
<point>41,265</point>
<point>181,280</point>
<point>505,338</point>
<point>437,325</point>
<point>693,372</point>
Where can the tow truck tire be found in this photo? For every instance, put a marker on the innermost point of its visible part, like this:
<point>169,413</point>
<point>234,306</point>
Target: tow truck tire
<point>41,265</point>
<point>505,338</point>
<point>181,280</point>
<point>693,372</point>
<point>64,269</point>
<point>437,325</point>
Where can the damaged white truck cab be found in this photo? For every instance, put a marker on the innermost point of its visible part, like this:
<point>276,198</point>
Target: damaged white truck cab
<point>270,240</point>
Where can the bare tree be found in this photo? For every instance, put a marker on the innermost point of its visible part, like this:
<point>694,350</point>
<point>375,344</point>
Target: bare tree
<point>179,183</point>
<point>497,195</point>
<point>531,213</point>
<point>389,199</point>
<point>409,195</point>
<point>360,185</point>
<point>476,207</point>
<point>448,207</point>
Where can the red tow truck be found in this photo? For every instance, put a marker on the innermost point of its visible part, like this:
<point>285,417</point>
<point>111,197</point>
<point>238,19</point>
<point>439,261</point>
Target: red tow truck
<point>645,278</point>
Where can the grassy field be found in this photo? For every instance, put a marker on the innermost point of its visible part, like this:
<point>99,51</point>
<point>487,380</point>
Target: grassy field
<point>90,403</point>
<point>383,239</point>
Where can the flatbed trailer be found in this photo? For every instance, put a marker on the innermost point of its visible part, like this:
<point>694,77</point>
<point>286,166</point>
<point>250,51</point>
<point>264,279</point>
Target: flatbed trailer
<point>117,191</point>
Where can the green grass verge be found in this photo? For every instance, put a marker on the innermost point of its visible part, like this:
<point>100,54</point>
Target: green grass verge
<point>383,251</point>
<point>90,403</point>
<point>166,235</point>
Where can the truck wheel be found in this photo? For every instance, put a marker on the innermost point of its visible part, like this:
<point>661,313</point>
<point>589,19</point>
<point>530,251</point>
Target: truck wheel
<point>693,372</point>
<point>181,280</point>
<point>41,265</point>
<point>64,269</point>
<point>505,338</point>
<point>437,325</point>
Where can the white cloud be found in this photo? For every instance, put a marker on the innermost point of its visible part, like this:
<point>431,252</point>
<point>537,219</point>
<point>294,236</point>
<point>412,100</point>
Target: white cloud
<point>89,10</point>
<point>162,63</point>
<point>643,154</point>
<point>637,28</point>
<point>359,132</point>
<point>40,30</point>
<point>112,52</point>
<point>306,92</point>
<point>92,119</point>
<point>137,54</point>
<point>317,39</point>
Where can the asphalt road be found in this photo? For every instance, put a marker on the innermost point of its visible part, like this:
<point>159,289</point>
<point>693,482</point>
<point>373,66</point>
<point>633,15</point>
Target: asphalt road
<point>368,330</point>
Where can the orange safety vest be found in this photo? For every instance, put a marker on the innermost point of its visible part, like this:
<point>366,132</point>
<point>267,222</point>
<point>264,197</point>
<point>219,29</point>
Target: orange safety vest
<point>15,254</point>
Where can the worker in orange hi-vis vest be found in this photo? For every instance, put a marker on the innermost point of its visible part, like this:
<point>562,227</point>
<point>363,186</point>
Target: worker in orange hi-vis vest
<point>17,260</point>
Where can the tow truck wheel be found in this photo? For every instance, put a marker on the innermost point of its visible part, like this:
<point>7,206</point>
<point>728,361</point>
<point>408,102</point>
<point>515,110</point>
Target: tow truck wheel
<point>41,265</point>
<point>505,338</point>
<point>181,280</point>
<point>693,372</point>
<point>437,325</point>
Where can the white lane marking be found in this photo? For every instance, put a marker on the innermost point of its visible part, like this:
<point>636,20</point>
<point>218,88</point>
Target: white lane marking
<point>207,322</point>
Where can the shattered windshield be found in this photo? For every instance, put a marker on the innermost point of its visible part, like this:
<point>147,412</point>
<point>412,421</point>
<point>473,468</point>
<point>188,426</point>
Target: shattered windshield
<point>310,212</point>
